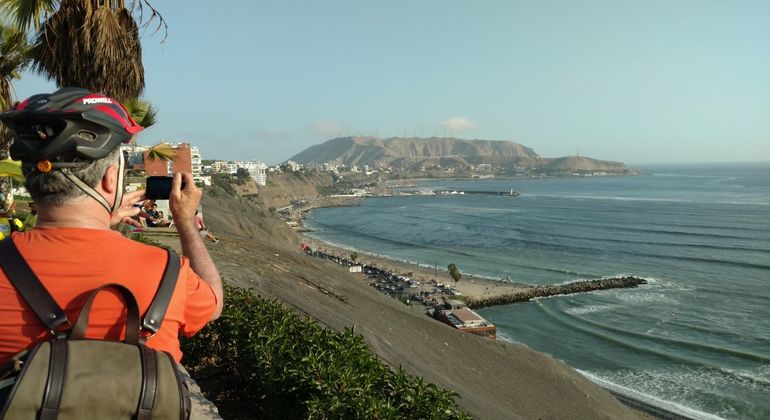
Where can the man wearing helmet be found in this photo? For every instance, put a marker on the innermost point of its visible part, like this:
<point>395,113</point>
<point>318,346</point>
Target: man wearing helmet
<point>69,144</point>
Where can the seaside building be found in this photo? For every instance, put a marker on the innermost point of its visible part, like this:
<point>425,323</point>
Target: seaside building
<point>464,319</point>
<point>258,172</point>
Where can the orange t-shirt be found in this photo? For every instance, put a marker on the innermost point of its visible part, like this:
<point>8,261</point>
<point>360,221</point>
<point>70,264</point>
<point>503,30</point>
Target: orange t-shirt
<point>70,262</point>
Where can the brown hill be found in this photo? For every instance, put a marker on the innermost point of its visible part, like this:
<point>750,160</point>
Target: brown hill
<point>415,154</point>
<point>377,151</point>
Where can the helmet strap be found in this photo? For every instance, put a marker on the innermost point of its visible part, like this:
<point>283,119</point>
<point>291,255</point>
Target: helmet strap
<point>91,192</point>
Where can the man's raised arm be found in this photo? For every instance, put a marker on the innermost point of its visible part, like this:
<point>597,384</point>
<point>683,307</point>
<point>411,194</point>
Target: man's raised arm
<point>183,202</point>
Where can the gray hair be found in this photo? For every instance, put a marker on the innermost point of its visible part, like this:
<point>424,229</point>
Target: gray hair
<point>53,189</point>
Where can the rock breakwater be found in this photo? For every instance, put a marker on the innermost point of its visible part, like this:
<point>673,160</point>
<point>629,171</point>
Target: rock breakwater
<point>553,290</point>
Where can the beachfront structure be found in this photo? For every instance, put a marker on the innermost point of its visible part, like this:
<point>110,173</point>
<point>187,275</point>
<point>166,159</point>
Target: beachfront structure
<point>466,320</point>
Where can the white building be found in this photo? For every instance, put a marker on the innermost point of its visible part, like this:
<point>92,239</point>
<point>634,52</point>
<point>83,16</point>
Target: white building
<point>294,165</point>
<point>257,171</point>
<point>195,163</point>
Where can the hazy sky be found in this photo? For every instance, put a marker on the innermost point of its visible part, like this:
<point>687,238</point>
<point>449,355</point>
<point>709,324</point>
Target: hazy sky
<point>635,81</point>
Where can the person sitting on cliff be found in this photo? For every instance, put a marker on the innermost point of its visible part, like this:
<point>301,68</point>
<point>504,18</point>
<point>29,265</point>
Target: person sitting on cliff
<point>204,231</point>
<point>156,219</point>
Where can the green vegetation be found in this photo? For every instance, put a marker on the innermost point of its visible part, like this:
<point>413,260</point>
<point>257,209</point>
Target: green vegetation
<point>220,186</point>
<point>454,272</point>
<point>353,256</point>
<point>242,176</point>
<point>142,111</point>
<point>14,58</point>
<point>272,363</point>
<point>162,151</point>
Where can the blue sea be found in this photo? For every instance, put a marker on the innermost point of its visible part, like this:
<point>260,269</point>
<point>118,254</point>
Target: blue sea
<point>696,339</point>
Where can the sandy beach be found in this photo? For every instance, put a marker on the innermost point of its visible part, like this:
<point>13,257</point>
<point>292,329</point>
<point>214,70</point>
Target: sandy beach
<point>470,286</point>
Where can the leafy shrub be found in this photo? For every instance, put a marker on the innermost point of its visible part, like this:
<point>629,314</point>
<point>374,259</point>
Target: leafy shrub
<point>276,364</point>
<point>220,186</point>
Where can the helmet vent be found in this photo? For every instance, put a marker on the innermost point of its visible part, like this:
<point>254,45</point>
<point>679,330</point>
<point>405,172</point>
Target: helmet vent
<point>86,135</point>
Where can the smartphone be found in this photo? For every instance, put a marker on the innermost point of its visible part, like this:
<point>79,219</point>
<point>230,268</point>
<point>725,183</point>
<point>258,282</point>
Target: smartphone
<point>159,187</point>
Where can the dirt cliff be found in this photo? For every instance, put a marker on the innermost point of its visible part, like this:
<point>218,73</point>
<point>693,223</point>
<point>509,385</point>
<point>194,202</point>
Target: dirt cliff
<point>282,189</point>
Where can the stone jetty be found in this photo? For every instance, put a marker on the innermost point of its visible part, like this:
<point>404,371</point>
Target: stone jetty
<point>561,289</point>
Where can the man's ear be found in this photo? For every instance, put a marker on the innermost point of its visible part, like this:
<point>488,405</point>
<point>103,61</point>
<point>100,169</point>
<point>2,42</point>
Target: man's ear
<point>110,180</point>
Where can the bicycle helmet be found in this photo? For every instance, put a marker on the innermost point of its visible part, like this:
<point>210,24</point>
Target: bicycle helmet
<point>69,128</point>
<point>69,125</point>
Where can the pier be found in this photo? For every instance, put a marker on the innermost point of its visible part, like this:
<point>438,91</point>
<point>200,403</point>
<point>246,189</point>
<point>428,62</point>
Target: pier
<point>510,193</point>
<point>553,290</point>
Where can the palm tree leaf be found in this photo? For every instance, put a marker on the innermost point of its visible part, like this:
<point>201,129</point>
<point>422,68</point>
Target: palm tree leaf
<point>142,111</point>
<point>14,56</point>
<point>28,13</point>
<point>96,48</point>
<point>161,151</point>
<point>11,168</point>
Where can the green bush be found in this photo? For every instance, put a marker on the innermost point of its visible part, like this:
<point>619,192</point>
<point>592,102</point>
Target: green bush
<point>220,185</point>
<point>276,364</point>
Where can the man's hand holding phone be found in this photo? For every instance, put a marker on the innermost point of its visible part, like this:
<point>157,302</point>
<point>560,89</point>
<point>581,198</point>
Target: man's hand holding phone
<point>184,198</point>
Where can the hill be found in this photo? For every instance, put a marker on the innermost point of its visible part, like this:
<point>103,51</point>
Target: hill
<point>376,151</point>
<point>459,156</point>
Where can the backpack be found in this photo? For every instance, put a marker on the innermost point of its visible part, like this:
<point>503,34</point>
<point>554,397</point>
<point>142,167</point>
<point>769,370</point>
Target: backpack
<point>70,377</point>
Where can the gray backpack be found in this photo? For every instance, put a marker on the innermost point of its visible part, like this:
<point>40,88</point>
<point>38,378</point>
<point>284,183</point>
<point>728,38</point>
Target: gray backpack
<point>70,377</point>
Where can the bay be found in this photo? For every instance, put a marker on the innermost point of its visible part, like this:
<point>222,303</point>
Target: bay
<point>696,338</point>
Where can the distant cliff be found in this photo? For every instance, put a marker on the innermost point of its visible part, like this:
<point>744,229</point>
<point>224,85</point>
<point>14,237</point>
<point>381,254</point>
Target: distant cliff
<point>282,189</point>
<point>417,154</point>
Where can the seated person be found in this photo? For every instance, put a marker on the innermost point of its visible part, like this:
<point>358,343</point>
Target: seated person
<point>202,229</point>
<point>156,218</point>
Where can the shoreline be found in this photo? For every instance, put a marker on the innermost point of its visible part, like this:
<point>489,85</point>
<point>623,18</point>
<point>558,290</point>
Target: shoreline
<point>471,286</point>
<point>476,291</point>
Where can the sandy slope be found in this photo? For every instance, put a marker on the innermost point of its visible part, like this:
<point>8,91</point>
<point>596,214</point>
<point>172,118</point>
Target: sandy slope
<point>494,380</point>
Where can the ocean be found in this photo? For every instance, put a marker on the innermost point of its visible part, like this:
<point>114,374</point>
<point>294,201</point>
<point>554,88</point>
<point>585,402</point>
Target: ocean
<point>696,339</point>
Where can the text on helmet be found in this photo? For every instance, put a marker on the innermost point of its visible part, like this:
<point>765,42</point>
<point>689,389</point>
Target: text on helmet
<point>91,101</point>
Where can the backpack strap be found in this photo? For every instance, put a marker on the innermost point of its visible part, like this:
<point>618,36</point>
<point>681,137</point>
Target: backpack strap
<point>132,314</point>
<point>29,287</point>
<point>153,318</point>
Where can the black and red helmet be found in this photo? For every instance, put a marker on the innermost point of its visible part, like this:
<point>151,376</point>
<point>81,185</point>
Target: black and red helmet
<point>70,125</point>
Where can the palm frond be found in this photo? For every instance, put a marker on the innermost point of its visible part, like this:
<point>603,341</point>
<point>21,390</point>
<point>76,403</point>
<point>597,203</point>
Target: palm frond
<point>14,57</point>
<point>162,151</point>
<point>91,46</point>
<point>142,111</point>
<point>26,14</point>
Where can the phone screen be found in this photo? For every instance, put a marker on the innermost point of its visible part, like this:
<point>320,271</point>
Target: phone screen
<point>158,187</point>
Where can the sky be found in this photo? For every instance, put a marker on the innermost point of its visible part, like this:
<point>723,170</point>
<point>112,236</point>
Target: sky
<point>653,81</point>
